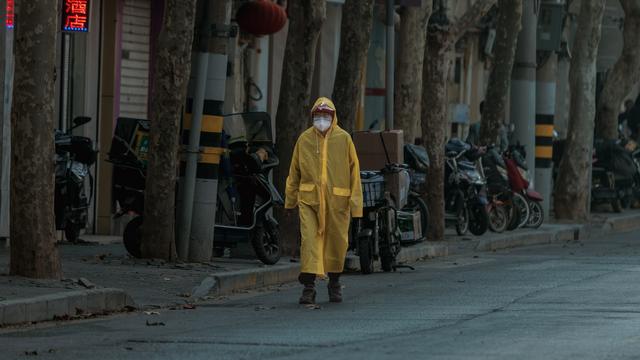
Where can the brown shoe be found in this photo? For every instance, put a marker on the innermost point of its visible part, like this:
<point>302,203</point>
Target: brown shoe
<point>308,295</point>
<point>335,292</point>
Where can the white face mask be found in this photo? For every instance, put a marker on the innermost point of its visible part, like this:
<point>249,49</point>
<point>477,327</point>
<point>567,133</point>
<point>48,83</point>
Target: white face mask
<point>322,122</point>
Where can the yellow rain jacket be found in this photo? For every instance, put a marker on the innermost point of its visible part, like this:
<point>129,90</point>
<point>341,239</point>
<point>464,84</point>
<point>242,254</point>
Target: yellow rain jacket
<point>324,183</point>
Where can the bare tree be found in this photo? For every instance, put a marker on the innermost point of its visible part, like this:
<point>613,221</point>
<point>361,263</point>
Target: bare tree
<point>571,198</point>
<point>305,21</point>
<point>509,26</point>
<point>442,36</point>
<point>173,67</point>
<point>625,73</point>
<point>408,87</point>
<point>33,249</point>
<point>355,32</point>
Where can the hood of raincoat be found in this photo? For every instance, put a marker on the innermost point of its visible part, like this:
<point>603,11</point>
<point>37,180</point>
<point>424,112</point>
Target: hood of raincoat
<point>327,102</point>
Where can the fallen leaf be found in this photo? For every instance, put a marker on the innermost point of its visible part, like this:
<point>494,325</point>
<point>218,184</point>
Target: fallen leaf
<point>313,307</point>
<point>151,313</point>
<point>189,306</point>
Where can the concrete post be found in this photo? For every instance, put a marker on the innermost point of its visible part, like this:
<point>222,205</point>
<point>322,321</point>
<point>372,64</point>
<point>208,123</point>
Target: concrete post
<point>390,66</point>
<point>202,125</point>
<point>523,85</point>
<point>545,115</point>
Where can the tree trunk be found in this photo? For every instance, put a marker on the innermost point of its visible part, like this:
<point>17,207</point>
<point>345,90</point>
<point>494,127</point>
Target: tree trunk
<point>439,51</point>
<point>305,21</point>
<point>625,73</point>
<point>571,198</point>
<point>172,70</point>
<point>355,33</point>
<point>408,91</point>
<point>33,249</point>
<point>509,25</point>
<point>434,122</point>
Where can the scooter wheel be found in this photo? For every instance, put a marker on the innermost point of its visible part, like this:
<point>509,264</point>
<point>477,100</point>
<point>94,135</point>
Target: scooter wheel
<point>365,253</point>
<point>266,244</point>
<point>498,219</point>
<point>387,261</point>
<point>72,232</point>
<point>132,237</point>
<point>536,215</point>
<point>616,205</point>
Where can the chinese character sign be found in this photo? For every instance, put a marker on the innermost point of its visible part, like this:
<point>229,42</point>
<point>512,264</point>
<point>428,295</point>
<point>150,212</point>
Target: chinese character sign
<point>10,14</point>
<point>75,15</point>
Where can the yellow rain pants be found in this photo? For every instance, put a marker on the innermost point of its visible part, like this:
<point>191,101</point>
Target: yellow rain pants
<point>324,183</point>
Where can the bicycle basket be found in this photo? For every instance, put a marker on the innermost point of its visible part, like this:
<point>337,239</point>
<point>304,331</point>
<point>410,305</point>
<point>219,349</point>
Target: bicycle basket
<point>372,188</point>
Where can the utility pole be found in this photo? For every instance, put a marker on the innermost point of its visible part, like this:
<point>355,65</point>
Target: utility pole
<point>6,76</point>
<point>523,85</point>
<point>545,115</point>
<point>390,66</point>
<point>198,190</point>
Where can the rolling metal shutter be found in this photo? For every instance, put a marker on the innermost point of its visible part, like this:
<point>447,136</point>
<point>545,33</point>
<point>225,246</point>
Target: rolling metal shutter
<point>134,69</point>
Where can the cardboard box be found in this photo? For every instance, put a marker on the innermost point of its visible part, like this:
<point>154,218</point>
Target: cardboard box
<point>410,226</point>
<point>370,146</point>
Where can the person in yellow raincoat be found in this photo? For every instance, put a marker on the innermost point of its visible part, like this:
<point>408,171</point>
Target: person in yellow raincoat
<point>324,184</point>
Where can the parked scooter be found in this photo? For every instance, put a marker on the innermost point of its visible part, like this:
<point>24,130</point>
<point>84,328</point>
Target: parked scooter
<point>465,194</point>
<point>613,175</point>
<point>74,157</point>
<point>417,160</point>
<point>502,212</point>
<point>245,194</point>
<point>376,235</point>
<point>527,201</point>
<point>246,186</point>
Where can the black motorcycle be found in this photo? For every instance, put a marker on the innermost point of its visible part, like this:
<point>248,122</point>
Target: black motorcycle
<point>465,193</point>
<point>74,157</point>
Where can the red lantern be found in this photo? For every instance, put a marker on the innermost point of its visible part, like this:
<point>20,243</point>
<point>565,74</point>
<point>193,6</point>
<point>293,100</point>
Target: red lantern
<point>261,17</point>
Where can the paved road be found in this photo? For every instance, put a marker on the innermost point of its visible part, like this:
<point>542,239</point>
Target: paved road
<point>573,301</point>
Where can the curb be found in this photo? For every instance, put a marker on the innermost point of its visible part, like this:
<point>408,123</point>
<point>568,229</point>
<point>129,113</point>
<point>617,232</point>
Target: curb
<point>532,237</point>
<point>71,303</point>
<point>233,281</point>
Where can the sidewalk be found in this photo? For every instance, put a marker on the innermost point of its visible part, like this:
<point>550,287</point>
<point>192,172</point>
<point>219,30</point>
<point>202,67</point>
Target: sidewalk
<point>100,277</point>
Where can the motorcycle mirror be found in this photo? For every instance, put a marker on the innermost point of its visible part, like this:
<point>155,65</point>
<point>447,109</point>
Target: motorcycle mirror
<point>81,120</point>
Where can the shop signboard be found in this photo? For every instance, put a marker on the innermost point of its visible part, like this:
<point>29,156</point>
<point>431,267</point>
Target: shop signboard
<point>9,21</point>
<point>75,16</point>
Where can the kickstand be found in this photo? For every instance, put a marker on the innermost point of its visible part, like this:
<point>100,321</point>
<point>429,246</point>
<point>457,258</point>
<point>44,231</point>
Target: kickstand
<point>396,267</point>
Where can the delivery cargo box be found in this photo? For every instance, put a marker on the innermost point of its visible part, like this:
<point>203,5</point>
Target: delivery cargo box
<point>370,146</point>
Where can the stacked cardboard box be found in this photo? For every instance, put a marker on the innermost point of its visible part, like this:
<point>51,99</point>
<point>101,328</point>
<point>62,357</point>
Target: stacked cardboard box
<point>371,145</point>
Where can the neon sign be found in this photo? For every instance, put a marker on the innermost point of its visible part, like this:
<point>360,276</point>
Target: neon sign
<point>75,16</point>
<point>9,21</point>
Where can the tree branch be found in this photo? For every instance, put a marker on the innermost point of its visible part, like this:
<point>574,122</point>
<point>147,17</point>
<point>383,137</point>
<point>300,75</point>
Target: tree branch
<point>479,9</point>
